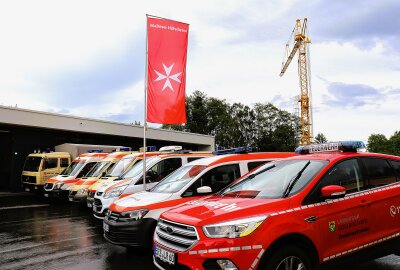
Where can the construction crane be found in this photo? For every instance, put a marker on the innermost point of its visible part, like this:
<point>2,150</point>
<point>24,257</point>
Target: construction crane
<point>301,41</point>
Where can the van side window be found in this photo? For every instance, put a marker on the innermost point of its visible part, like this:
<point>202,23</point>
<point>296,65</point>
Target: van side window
<point>216,179</point>
<point>64,162</point>
<point>396,166</point>
<point>193,158</point>
<point>254,164</point>
<point>379,172</point>
<point>50,163</point>
<point>346,174</point>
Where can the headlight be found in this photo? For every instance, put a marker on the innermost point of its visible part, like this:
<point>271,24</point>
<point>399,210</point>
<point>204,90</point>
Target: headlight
<point>135,215</point>
<point>234,229</point>
<point>58,185</point>
<point>115,192</point>
<point>81,191</point>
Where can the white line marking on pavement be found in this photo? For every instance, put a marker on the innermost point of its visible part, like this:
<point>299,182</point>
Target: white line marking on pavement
<point>24,206</point>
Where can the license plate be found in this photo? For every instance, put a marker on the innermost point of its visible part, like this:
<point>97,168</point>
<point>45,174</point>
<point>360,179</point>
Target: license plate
<point>89,205</point>
<point>46,195</point>
<point>71,199</point>
<point>106,227</point>
<point>165,255</point>
<point>27,189</point>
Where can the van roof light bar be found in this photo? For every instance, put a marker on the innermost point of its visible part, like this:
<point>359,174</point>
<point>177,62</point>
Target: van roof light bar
<point>341,146</point>
<point>171,148</point>
<point>237,150</point>
<point>95,151</point>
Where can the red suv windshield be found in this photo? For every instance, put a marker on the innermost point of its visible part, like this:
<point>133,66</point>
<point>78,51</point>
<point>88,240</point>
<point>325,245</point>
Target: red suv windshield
<point>272,180</point>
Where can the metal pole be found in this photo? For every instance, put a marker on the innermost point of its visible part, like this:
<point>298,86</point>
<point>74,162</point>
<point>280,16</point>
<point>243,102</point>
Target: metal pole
<point>145,113</point>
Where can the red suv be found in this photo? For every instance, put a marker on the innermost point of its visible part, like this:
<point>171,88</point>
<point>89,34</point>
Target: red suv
<point>325,207</point>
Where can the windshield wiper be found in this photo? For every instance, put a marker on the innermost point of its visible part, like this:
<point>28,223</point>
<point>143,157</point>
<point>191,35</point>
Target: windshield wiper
<point>294,180</point>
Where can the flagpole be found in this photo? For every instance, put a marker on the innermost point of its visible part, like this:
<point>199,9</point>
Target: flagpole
<point>145,112</point>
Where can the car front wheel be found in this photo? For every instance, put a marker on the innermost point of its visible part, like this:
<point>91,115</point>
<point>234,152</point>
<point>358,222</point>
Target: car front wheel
<point>287,258</point>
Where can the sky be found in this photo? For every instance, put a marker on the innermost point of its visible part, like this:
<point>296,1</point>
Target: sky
<point>87,58</point>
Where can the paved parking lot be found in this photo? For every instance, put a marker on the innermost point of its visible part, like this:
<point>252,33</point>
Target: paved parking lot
<point>37,235</point>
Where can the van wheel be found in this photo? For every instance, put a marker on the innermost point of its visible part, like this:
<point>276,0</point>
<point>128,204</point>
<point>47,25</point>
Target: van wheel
<point>287,258</point>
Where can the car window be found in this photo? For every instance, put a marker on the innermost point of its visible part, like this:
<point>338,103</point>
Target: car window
<point>88,166</point>
<point>50,163</point>
<point>64,162</point>
<point>396,166</point>
<point>379,172</point>
<point>190,159</point>
<point>254,164</point>
<point>346,174</point>
<point>163,168</point>
<point>216,179</point>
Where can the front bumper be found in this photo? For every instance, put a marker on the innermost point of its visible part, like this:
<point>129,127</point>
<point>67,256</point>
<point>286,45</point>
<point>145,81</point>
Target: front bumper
<point>100,206</point>
<point>75,198</point>
<point>55,193</point>
<point>205,253</point>
<point>131,233</point>
<point>29,187</point>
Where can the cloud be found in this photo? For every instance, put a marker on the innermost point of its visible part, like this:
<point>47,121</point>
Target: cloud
<point>352,95</point>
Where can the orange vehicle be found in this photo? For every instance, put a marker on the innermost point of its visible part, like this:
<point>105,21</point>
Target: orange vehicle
<point>114,174</point>
<point>79,191</point>
<point>58,186</point>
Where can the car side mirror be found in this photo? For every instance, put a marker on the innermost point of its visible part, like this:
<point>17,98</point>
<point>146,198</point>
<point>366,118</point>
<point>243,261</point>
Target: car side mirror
<point>204,190</point>
<point>333,192</point>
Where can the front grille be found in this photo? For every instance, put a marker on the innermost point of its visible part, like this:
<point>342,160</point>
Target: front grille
<point>115,216</point>
<point>97,202</point>
<point>91,194</point>
<point>29,179</point>
<point>175,235</point>
<point>167,266</point>
<point>118,236</point>
<point>48,186</point>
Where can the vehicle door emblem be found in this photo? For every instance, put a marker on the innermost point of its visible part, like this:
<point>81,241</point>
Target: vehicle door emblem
<point>332,226</point>
<point>169,230</point>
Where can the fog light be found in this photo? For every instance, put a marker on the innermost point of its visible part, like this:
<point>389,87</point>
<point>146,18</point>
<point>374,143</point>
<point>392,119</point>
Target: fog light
<point>227,265</point>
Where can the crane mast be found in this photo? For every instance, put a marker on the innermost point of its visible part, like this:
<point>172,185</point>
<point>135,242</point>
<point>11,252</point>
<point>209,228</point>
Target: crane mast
<point>301,41</point>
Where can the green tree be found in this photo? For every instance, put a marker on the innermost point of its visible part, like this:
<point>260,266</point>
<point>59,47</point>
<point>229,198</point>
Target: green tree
<point>378,143</point>
<point>394,144</point>
<point>320,138</point>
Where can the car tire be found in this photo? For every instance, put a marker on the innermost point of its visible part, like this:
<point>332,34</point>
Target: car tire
<point>289,257</point>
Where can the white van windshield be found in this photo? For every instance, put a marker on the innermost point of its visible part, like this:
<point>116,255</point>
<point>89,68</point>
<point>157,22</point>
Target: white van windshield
<point>120,167</point>
<point>98,169</point>
<point>275,180</point>
<point>178,179</point>
<point>138,167</point>
<point>73,168</point>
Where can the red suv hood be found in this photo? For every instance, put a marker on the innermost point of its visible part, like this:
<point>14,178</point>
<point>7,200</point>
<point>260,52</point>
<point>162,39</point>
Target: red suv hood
<point>217,209</point>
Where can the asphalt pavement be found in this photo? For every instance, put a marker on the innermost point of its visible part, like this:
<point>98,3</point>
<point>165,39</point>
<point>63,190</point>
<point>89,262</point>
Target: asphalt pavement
<point>36,234</point>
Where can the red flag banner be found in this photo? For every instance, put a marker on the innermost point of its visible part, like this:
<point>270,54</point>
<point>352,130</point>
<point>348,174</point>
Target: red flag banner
<point>167,43</point>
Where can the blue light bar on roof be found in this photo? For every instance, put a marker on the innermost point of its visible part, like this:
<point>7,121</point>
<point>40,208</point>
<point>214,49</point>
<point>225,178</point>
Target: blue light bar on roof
<point>95,151</point>
<point>238,150</point>
<point>342,146</point>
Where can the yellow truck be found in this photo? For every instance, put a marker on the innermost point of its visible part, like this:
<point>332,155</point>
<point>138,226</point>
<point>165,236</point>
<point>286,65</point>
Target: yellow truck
<point>79,191</point>
<point>39,167</point>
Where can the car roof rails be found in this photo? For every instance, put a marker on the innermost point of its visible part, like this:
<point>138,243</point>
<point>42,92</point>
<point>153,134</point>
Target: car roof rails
<point>237,150</point>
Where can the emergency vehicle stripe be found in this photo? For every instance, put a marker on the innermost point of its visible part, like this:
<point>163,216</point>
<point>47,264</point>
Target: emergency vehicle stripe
<point>257,259</point>
<point>226,249</point>
<point>361,247</point>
